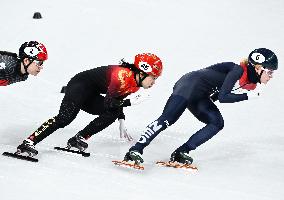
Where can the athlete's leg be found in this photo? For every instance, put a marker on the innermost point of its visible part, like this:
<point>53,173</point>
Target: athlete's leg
<point>99,124</point>
<point>75,95</point>
<point>67,113</point>
<point>205,111</point>
<point>94,105</point>
<point>173,109</point>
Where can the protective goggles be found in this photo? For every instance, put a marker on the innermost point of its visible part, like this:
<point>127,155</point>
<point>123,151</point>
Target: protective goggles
<point>38,62</point>
<point>268,71</point>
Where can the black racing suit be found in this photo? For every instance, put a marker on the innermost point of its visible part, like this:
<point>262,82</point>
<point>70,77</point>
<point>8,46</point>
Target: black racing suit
<point>84,92</point>
<point>10,69</point>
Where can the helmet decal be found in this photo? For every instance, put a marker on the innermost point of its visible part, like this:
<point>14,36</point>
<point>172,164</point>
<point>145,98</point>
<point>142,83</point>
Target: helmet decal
<point>144,66</point>
<point>31,51</point>
<point>258,57</point>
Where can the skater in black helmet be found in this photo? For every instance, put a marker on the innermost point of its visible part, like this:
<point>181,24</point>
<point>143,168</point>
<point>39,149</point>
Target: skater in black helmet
<point>84,92</point>
<point>15,68</point>
<point>196,91</point>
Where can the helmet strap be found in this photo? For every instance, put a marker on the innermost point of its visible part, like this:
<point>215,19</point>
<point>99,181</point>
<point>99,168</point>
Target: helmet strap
<point>141,79</point>
<point>26,66</point>
<point>136,72</point>
<point>260,76</point>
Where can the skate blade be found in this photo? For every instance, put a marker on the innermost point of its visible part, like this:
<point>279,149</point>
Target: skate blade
<point>127,164</point>
<point>85,154</point>
<point>69,147</point>
<point>20,156</point>
<point>177,165</point>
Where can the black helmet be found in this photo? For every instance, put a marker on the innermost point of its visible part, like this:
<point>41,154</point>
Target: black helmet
<point>33,50</point>
<point>264,57</point>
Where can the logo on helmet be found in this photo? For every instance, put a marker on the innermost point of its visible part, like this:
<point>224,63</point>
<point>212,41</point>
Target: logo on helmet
<point>258,58</point>
<point>144,66</point>
<point>31,51</point>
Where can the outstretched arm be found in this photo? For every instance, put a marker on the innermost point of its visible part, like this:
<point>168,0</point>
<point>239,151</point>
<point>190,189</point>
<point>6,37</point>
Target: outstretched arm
<point>225,93</point>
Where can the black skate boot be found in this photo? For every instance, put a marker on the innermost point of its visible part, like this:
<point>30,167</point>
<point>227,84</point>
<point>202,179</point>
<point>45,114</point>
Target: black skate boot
<point>127,157</point>
<point>181,157</point>
<point>134,156</point>
<point>77,142</point>
<point>27,147</point>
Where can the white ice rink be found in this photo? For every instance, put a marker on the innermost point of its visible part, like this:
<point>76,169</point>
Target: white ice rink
<point>245,161</point>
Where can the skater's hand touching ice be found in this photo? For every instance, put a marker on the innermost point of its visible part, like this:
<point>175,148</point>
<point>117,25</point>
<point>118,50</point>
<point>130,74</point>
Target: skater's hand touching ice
<point>123,130</point>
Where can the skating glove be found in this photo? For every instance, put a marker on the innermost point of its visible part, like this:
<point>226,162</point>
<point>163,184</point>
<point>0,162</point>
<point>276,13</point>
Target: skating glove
<point>139,98</point>
<point>253,95</point>
<point>123,130</point>
<point>114,104</point>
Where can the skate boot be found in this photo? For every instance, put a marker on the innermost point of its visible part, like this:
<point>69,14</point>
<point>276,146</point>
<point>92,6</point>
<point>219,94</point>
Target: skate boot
<point>77,142</point>
<point>181,157</point>
<point>27,147</point>
<point>133,156</point>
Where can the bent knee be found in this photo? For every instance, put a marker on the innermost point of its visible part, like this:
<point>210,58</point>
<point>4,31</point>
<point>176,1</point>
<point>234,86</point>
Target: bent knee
<point>219,124</point>
<point>61,122</point>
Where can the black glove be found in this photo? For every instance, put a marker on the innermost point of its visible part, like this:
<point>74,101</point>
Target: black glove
<point>114,103</point>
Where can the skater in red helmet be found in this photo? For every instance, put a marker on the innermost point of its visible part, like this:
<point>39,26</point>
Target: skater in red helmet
<point>85,91</point>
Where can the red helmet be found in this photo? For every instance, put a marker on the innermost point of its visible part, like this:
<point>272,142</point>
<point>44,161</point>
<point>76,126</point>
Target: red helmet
<point>33,50</point>
<point>149,63</point>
